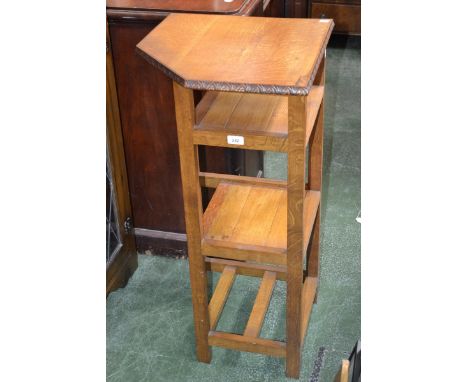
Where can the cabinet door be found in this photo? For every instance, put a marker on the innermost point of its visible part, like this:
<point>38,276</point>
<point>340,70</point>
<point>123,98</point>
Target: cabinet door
<point>121,257</point>
<point>297,8</point>
<point>273,8</point>
<point>347,17</point>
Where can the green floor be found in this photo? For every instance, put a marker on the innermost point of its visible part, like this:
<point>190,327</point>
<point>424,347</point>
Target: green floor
<point>149,322</point>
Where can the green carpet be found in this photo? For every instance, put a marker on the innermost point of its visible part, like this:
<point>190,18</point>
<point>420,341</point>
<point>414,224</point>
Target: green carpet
<point>149,322</point>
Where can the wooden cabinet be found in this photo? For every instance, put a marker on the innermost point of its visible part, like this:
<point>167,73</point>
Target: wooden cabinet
<point>146,102</point>
<point>297,8</point>
<point>345,13</point>
<point>273,8</point>
<point>121,256</point>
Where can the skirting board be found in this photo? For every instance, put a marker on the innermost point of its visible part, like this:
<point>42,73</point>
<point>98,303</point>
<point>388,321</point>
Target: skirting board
<point>163,243</point>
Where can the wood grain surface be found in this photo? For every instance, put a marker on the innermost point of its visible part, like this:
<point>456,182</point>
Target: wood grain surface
<point>253,218</point>
<point>242,54</point>
<point>308,295</point>
<point>251,227</point>
<point>246,268</point>
<point>211,180</point>
<point>297,117</point>
<point>248,344</point>
<point>220,294</point>
<point>314,176</point>
<point>262,301</point>
<point>189,169</point>
<point>262,120</point>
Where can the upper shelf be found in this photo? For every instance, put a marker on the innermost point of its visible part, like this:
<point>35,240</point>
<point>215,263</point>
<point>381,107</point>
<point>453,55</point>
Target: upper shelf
<point>238,54</point>
<point>261,120</point>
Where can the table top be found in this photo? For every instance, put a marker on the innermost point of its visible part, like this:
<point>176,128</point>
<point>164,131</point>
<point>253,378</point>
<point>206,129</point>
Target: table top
<point>241,54</point>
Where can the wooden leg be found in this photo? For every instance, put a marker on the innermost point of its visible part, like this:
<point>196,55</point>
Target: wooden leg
<point>315,177</point>
<point>198,282</point>
<point>296,192</point>
<point>342,375</point>
<point>314,249</point>
<point>314,252</point>
<point>315,183</point>
<point>188,152</point>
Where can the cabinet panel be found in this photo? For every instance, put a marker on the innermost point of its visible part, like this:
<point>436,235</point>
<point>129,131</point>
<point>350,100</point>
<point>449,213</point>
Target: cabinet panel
<point>148,127</point>
<point>121,257</point>
<point>347,17</point>
<point>297,8</point>
<point>273,8</point>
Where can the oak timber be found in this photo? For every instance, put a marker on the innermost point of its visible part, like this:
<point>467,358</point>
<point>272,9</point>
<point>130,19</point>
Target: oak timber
<point>261,119</point>
<point>211,180</point>
<point>188,152</point>
<point>297,117</point>
<point>308,294</point>
<point>245,268</point>
<point>254,325</point>
<point>248,344</point>
<point>264,55</point>
<point>248,222</point>
<point>342,375</point>
<point>314,176</point>
<point>250,226</point>
<point>220,294</point>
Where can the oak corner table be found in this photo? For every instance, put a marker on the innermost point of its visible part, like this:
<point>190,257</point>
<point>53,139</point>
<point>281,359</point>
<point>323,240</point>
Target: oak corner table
<point>263,81</point>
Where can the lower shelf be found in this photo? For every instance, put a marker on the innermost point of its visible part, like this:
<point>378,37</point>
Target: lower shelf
<point>249,222</point>
<point>249,341</point>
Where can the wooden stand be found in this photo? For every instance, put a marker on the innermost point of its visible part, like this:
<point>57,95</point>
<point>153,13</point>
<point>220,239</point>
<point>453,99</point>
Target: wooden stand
<point>264,81</point>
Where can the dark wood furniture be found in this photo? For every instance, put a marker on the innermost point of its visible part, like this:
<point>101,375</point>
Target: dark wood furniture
<point>121,256</point>
<point>274,8</point>
<point>145,97</point>
<point>345,13</point>
<point>297,8</point>
<point>264,91</point>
